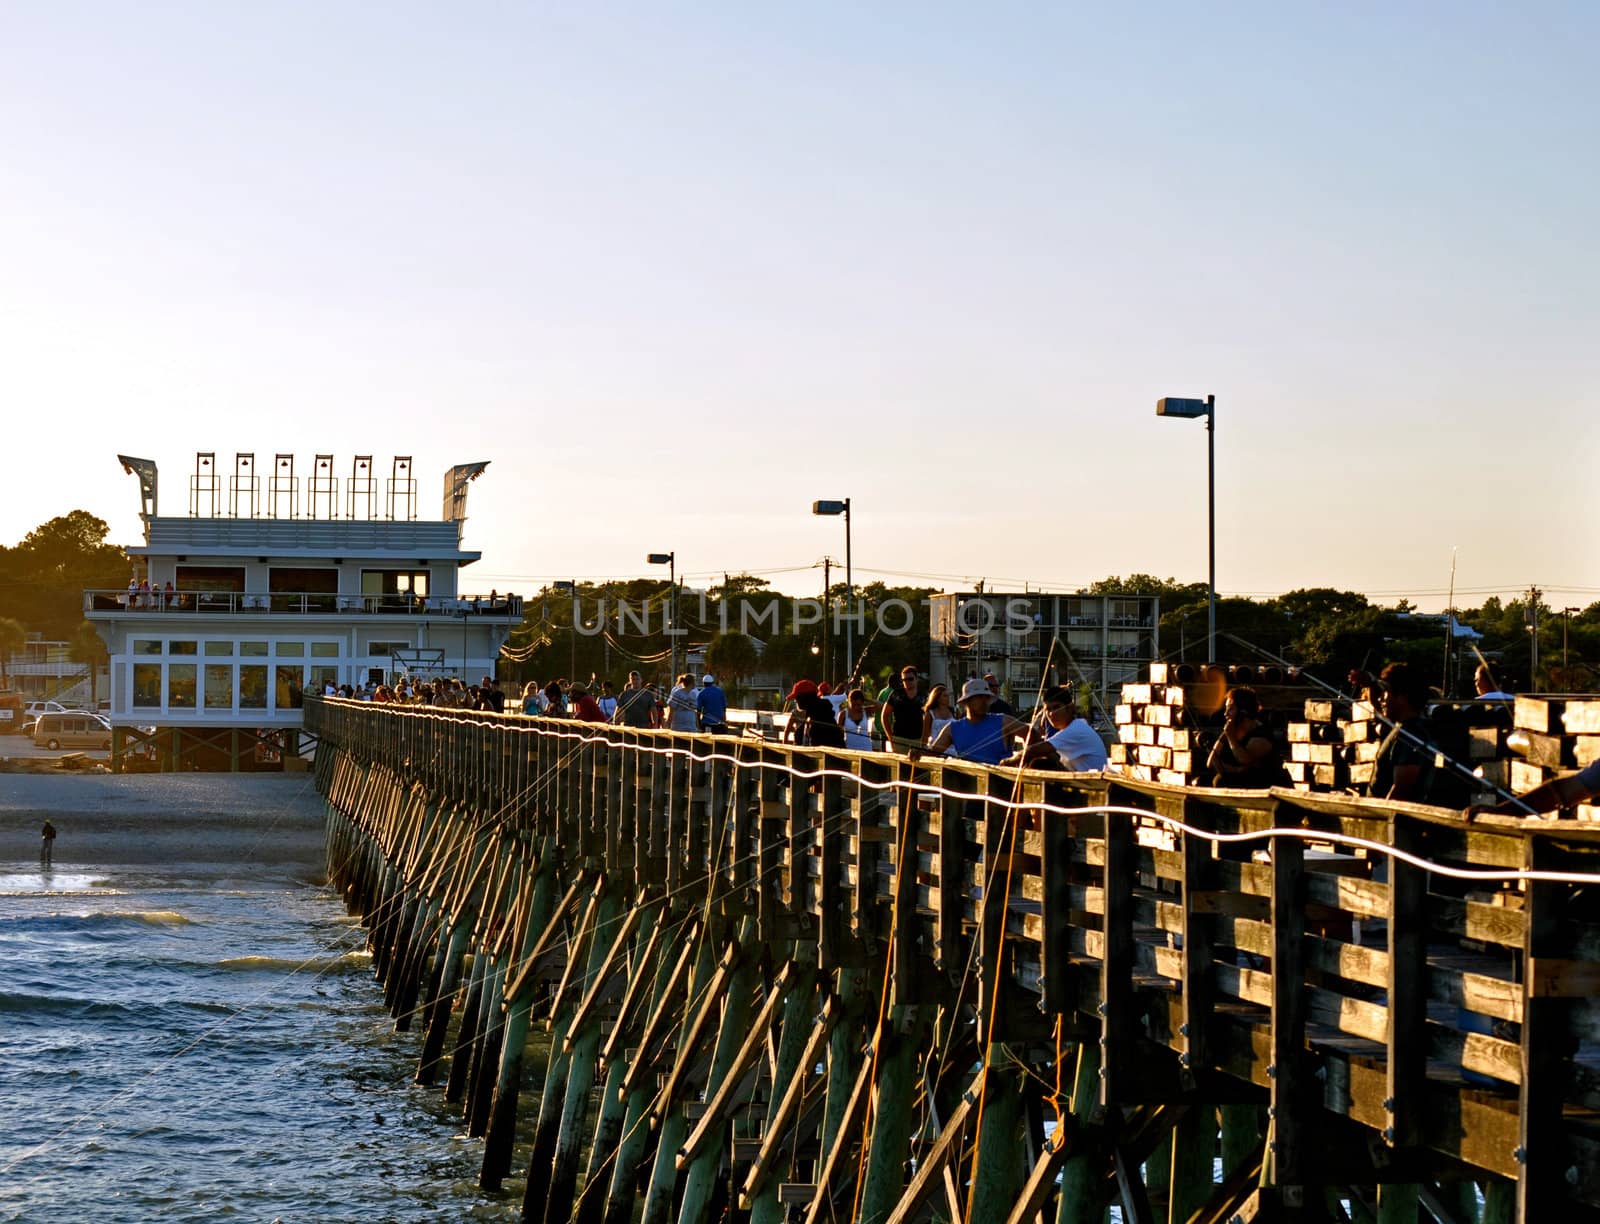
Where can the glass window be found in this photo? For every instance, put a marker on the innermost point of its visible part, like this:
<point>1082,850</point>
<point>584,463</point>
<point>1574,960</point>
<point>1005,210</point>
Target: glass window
<point>290,685</point>
<point>252,686</point>
<point>219,686</point>
<point>321,677</point>
<point>289,650</point>
<point>394,582</point>
<point>210,578</point>
<point>146,646</point>
<point>253,650</point>
<point>292,579</point>
<point>147,685</point>
<point>180,686</point>
<point>324,650</point>
<point>219,650</point>
<point>182,648</point>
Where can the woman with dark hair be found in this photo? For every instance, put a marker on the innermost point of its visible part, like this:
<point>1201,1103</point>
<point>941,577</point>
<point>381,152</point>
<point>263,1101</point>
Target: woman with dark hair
<point>555,704</point>
<point>937,712</point>
<point>1245,755</point>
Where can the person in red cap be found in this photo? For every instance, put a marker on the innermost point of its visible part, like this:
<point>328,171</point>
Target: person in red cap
<point>811,721</point>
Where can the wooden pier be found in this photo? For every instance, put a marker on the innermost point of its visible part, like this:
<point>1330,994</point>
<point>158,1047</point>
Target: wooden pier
<point>771,983</point>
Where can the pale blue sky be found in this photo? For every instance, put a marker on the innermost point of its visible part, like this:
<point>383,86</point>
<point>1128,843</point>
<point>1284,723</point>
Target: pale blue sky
<point>679,270</point>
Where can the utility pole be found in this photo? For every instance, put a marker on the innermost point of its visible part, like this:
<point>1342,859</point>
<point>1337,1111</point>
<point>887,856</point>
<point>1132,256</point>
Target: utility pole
<point>827,635</point>
<point>1533,629</point>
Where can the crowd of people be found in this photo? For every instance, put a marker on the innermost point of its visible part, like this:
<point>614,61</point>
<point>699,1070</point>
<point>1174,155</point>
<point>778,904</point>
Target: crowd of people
<point>443,692</point>
<point>979,725</point>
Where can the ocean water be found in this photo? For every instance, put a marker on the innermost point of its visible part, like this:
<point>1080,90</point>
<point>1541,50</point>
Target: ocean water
<point>181,1044</point>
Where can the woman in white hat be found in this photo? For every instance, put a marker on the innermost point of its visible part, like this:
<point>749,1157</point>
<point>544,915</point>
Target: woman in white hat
<point>978,735</point>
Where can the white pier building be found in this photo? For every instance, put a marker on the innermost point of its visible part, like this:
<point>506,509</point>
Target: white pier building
<point>259,595</point>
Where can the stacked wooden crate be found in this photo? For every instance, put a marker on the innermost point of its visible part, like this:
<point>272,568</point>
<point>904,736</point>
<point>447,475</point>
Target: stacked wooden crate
<point>1475,733</point>
<point>1154,742</point>
<point>1552,736</point>
<point>1335,746</point>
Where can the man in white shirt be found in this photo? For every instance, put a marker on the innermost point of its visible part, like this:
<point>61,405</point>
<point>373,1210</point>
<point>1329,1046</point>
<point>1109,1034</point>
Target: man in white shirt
<point>1487,689</point>
<point>1072,741</point>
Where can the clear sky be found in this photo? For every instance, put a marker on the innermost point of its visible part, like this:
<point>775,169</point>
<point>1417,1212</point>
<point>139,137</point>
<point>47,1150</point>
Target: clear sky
<point>679,270</point>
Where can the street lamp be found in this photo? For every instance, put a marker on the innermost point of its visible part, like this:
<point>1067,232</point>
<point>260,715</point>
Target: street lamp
<point>670,560</point>
<point>1188,409</point>
<point>828,508</point>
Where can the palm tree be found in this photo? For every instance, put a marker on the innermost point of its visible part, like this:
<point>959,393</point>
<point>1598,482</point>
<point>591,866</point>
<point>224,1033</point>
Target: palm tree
<point>89,648</point>
<point>12,639</point>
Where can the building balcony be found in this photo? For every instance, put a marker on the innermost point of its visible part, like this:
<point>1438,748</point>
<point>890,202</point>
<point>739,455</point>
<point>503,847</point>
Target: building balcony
<point>106,604</point>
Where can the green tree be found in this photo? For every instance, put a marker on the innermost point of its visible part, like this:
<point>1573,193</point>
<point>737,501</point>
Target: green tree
<point>1174,594</point>
<point>13,636</point>
<point>43,578</point>
<point>1311,604</point>
<point>733,658</point>
<point>790,656</point>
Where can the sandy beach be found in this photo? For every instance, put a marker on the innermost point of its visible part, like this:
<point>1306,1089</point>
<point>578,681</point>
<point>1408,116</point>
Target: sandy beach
<point>267,823</point>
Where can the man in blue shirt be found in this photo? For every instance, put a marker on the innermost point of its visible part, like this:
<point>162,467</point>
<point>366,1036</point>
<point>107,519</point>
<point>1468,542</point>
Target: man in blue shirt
<point>712,704</point>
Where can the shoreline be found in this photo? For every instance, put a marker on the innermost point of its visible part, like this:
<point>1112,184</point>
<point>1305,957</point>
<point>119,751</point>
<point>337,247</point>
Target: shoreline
<point>270,824</point>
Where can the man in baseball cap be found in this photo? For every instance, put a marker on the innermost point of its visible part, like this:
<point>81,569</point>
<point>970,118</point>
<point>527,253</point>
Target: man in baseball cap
<point>712,706</point>
<point>978,735</point>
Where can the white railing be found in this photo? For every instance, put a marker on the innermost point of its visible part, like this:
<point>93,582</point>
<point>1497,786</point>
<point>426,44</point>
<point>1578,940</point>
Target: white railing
<point>294,603</point>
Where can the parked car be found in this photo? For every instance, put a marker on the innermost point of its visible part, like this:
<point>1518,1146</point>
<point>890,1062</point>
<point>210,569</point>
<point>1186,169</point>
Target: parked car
<point>35,708</point>
<point>71,730</point>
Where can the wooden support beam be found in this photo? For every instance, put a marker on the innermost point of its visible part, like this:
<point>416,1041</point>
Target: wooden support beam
<point>888,1139</point>
<point>728,1084</point>
<point>1132,1198</point>
<point>1199,931</point>
<point>780,1122</point>
<point>1118,1066</point>
<point>946,1150</point>
<point>704,1006</point>
<point>837,1174</point>
<point>1542,1156</point>
<point>1406,1065</point>
<point>1001,1168</point>
<point>1291,1092</point>
<point>605,981</point>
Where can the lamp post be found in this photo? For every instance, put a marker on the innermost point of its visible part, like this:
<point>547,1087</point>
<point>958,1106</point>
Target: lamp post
<point>829,508</point>
<point>1188,409</point>
<point>670,560</point>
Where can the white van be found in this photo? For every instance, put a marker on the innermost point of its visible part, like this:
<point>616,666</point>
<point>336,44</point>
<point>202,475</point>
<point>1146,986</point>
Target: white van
<point>78,730</point>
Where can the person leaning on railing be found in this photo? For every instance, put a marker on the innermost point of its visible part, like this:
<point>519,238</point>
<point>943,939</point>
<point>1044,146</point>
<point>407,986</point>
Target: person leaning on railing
<point>1245,755</point>
<point>1565,792</point>
<point>900,712</point>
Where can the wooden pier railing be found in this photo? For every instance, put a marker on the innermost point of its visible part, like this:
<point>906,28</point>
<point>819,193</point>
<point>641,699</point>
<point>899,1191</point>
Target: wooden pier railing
<point>772,983</point>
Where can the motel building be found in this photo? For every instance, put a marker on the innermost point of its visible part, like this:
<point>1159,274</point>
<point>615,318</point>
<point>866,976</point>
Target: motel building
<point>279,588</point>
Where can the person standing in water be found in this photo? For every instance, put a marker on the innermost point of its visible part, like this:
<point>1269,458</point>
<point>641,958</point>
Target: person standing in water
<point>47,844</point>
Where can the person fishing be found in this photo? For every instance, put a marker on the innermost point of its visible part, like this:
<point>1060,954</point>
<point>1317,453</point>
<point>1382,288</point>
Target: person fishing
<point>47,844</point>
